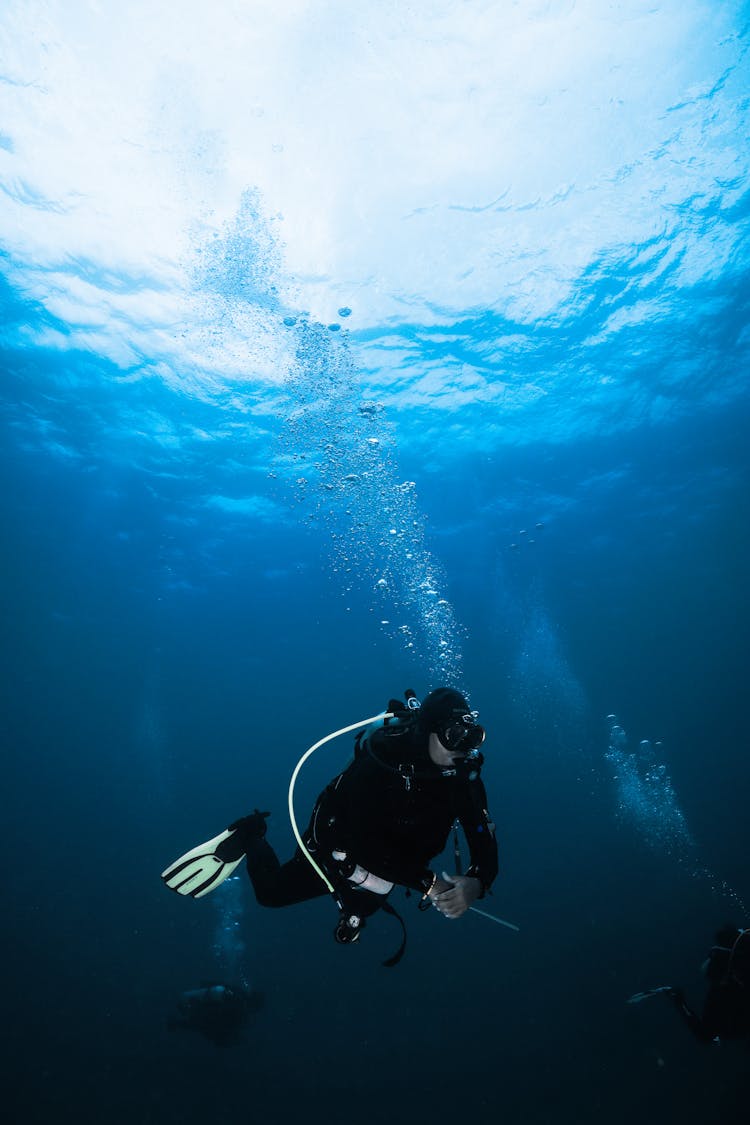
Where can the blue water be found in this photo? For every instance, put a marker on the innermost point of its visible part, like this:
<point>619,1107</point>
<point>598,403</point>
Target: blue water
<point>345,350</point>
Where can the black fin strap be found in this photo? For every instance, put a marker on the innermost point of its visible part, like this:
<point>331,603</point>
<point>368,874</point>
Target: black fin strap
<point>394,960</point>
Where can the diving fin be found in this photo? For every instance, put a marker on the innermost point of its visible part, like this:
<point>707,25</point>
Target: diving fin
<point>204,868</point>
<point>639,996</point>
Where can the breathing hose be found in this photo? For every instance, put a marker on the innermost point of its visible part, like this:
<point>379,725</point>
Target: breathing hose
<point>298,767</point>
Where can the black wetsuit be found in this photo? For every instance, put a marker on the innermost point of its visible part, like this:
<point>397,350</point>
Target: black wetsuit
<point>726,1009</point>
<point>218,1012</point>
<point>390,812</point>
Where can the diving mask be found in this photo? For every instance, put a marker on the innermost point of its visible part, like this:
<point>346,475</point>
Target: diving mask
<point>463,734</point>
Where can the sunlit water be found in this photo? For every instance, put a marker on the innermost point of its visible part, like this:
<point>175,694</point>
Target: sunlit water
<point>554,255</point>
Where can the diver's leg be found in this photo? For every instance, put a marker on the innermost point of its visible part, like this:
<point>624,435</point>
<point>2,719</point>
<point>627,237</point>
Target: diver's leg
<point>274,884</point>
<point>277,884</point>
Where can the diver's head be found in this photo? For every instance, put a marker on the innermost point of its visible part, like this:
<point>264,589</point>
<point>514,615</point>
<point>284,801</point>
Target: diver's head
<point>446,715</point>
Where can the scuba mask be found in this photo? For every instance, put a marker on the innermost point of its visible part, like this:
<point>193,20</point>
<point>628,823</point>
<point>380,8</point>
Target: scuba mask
<point>462,734</point>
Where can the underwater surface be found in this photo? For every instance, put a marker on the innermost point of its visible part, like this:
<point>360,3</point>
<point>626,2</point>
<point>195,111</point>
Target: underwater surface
<point>350,348</point>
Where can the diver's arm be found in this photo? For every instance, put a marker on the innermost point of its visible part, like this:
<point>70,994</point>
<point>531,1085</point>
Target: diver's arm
<point>454,894</point>
<point>480,835</point>
<point>689,1017</point>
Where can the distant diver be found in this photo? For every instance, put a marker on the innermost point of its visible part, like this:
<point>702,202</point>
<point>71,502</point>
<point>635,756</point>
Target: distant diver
<point>726,1008</point>
<point>414,775</point>
<point>218,1012</point>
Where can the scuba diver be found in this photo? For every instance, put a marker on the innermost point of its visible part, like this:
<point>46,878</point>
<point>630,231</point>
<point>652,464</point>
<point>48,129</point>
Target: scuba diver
<point>219,1012</point>
<point>379,823</point>
<point>726,1008</point>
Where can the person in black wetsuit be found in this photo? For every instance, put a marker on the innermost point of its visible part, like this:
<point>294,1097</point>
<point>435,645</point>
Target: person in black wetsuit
<point>726,1008</point>
<point>382,820</point>
<point>218,1012</point>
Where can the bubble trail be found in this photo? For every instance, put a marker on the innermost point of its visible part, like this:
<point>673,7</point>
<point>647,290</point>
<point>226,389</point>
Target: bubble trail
<point>647,799</point>
<point>228,945</point>
<point>348,481</point>
<point>337,446</point>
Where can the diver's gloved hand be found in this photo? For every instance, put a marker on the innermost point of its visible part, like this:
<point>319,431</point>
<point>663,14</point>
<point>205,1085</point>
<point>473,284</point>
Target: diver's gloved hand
<point>454,894</point>
<point>246,830</point>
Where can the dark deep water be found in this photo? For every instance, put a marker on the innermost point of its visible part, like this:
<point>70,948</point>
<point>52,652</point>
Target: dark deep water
<point>140,719</point>
<point>293,418</point>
